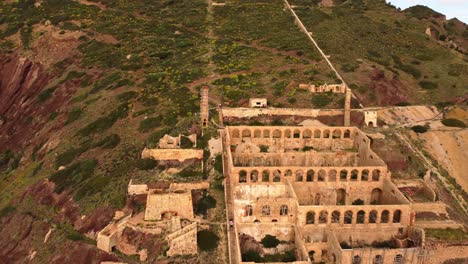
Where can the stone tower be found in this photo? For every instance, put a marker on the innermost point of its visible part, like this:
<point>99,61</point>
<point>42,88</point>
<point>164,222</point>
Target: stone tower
<point>204,106</point>
<point>347,107</point>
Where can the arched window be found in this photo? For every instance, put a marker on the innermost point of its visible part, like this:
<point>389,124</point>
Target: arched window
<point>307,133</point>
<point>266,176</point>
<point>266,133</point>
<point>347,134</point>
<point>340,197</point>
<point>360,217</point>
<point>310,218</point>
<point>317,199</point>
<point>357,259</point>
<point>254,176</point>
<point>299,175</point>
<point>276,176</point>
<point>297,134</point>
<point>326,133</point>
<point>265,210</point>
<point>246,133</point>
<point>375,175</point>
<point>343,175</point>
<point>398,259</point>
<point>384,216</point>
<point>323,216</point>
<point>378,260</point>
<point>310,175</point>
<point>284,210</point>
<point>335,217</point>
<point>257,133</point>
<point>288,173</point>
<point>276,133</point>
<point>317,133</point>
<point>348,217</point>
<point>336,133</point>
<point>287,133</point>
<point>354,175</point>
<point>373,217</point>
<point>248,210</point>
<point>376,196</point>
<point>365,175</point>
<point>397,216</point>
<point>242,176</point>
<point>321,175</point>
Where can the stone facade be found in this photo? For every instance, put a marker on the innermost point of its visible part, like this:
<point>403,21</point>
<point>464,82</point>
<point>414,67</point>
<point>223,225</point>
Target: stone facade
<point>334,88</point>
<point>321,188</point>
<point>161,205</point>
<point>179,155</point>
<point>183,241</point>
<point>370,118</point>
<point>204,107</point>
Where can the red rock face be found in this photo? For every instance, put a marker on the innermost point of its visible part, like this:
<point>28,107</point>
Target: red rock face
<point>21,81</point>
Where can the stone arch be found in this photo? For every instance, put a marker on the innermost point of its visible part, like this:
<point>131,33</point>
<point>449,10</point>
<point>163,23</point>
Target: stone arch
<point>284,210</point>
<point>397,216</point>
<point>257,133</point>
<point>376,175</point>
<point>335,217</point>
<point>287,133</point>
<point>235,133</point>
<point>321,175</point>
<point>310,218</point>
<point>307,133</point>
<point>274,220</point>
<point>326,133</point>
<point>336,133</point>
<point>354,175</point>
<point>265,176</point>
<point>266,210</point>
<point>310,175</point>
<point>256,221</point>
<point>373,217</point>
<point>242,176</point>
<point>361,215</point>
<point>398,259</point>
<point>376,196</point>
<point>332,175</point>
<point>323,217</point>
<point>266,133</point>
<point>276,176</point>
<point>311,255</point>
<point>357,259</point>
<point>340,197</point>
<point>317,133</point>
<point>378,259</point>
<point>276,133</point>
<point>299,175</point>
<point>248,210</point>
<point>348,217</point>
<point>288,173</point>
<point>343,175</point>
<point>384,216</point>
<point>347,134</point>
<point>297,133</point>
<point>254,176</point>
<point>365,175</point>
<point>246,133</point>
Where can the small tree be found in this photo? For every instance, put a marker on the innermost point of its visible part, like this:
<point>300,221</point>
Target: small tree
<point>419,129</point>
<point>270,241</point>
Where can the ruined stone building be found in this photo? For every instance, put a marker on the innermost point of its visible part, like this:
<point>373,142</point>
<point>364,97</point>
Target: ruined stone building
<point>323,190</point>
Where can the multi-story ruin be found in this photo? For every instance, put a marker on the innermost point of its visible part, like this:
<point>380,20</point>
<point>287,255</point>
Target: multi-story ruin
<point>322,190</point>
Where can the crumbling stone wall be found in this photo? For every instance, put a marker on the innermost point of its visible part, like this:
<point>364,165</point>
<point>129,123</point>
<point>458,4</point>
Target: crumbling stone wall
<point>183,241</point>
<point>158,204</point>
<point>179,155</point>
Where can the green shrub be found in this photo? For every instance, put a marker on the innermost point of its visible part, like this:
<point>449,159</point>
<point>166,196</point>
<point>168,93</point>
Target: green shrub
<point>251,256</point>
<point>207,240</point>
<point>270,241</point>
<point>419,129</point>
<point>428,85</point>
<point>185,142</point>
<point>109,142</point>
<point>105,122</point>
<point>70,155</point>
<point>447,234</point>
<point>218,163</point>
<point>277,122</point>
<point>127,96</point>
<point>321,100</point>
<point>149,123</point>
<point>146,164</point>
<point>264,148</point>
<point>74,114</point>
<point>45,95</point>
<point>74,174</point>
<point>452,122</point>
<point>207,202</point>
<point>6,210</point>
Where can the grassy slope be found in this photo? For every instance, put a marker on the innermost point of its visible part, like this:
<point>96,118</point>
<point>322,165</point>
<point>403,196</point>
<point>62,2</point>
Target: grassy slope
<point>364,35</point>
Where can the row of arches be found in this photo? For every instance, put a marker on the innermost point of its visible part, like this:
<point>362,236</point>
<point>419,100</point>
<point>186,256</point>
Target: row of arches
<point>378,259</point>
<point>309,175</point>
<point>266,210</point>
<point>299,133</point>
<point>349,217</point>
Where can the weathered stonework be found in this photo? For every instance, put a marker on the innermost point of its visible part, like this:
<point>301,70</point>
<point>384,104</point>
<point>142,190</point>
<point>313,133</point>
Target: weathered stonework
<point>183,241</point>
<point>334,88</point>
<point>258,102</point>
<point>179,155</point>
<point>370,118</point>
<point>162,205</point>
